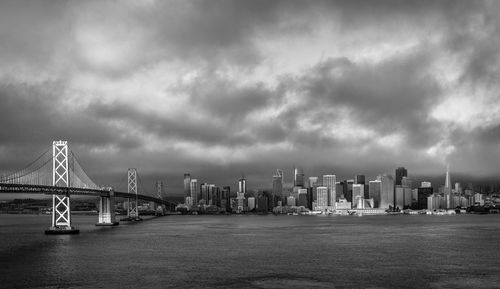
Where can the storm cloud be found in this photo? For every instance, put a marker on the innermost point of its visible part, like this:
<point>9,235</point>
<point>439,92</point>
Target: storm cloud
<point>225,88</point>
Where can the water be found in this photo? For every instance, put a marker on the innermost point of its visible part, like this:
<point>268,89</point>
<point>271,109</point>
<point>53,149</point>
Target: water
<point>460,251</point>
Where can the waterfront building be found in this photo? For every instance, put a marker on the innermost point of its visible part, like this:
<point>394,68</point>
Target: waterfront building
<point>187,183</point>
<point>400,173</point>
<point>240,201</point>
<point>189,202</point>
<point>343,204</point>
<point>262,204</point>
<point>322,197</point>
<point>329,182</point>
<point>193,191</point>
<point>226,195</point>
<point>434,202</point>
<point>386,191</point>
<point>478,199</point>
<point>358,190</point>
<point>204,192</point>
<point>251,203</point>
<point>423,194</point>
<point>374,188</point>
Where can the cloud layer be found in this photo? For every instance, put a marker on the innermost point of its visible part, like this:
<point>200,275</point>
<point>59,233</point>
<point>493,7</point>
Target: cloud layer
<point>221,88</point>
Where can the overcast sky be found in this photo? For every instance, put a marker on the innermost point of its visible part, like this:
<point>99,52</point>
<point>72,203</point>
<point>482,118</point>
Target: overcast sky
<point>222,88</point>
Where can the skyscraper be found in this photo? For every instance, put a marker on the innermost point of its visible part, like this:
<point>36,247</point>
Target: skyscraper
<point>277,186</point>
<point>226,196</point>
<point>400,173</point>
<point>242,185</point>
<point>386,191</point>
<point>359,179</point>
<point>322,201</point>
<point>194,191</point>
<point>298,178</point>
<point>187,183</point>
<point>374,192</point>
<point>447,183</point>
<point>329,181</point>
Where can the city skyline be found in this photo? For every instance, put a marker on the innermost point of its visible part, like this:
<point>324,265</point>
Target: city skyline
<point>219,88</point>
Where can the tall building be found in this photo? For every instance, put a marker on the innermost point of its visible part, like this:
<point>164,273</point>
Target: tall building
<point>277,186</point>
<point>302,198</point>
<point>329,181</point>
<point>423,194</point>
<point>358,191</point>
<point>374,192</point>
<point>204,192</point>
<point>322,197</point>
<point>298,178</point>
<point>359,179</point>
<point>226,196</point>
<point>400,173</point>
<point>193,188</point>
<point>187,184</point>
<point>447,183</point>
<point>386,191</point>
<point>339,190</point>
<point>312,181</point>
<point>348,190</point>
<point>242,185</point>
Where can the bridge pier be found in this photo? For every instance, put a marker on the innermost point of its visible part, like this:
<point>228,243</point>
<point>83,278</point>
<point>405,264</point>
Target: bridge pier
<point>61,217</point>
<point>107,210</point>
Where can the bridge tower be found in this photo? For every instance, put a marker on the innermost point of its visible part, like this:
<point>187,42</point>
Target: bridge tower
<point>132,210</point>
<point>61,210</point>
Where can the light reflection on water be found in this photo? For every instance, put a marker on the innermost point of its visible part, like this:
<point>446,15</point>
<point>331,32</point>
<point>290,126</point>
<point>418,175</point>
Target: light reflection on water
<point>254,252</point>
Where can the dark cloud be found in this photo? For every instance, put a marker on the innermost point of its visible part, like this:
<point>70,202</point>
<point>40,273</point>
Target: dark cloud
<point>242,111</point>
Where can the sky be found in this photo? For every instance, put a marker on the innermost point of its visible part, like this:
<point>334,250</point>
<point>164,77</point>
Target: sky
<point>221,89</point>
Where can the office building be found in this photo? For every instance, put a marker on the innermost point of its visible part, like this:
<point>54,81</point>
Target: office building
<point>339,190</point>
<point>359,179</point>
<point>262,204</point>
<point>242,185</point>
<point>322,197</point>
<point>277,186</point>
<point>298,178</point>
<point>374,188</point>
<point>425,185</point>
<point>193,191</point>
<point>423,194</point>
<point>251,203</point>
<point>348,190</point>
<point>358,191</point>
<point>400,173</point>
<point>187,183</point>
<point>329,181</point>
<point>386,191</point>
<point>226,195</point>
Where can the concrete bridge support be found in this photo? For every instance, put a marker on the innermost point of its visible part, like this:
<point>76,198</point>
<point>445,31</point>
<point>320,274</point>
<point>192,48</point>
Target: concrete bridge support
<point>107,210</point>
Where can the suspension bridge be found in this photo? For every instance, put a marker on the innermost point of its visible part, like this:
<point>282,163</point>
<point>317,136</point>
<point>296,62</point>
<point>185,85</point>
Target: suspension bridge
<point>58,172</point>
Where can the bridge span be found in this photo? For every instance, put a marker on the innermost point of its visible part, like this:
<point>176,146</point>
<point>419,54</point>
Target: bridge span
<point>59,174</point>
